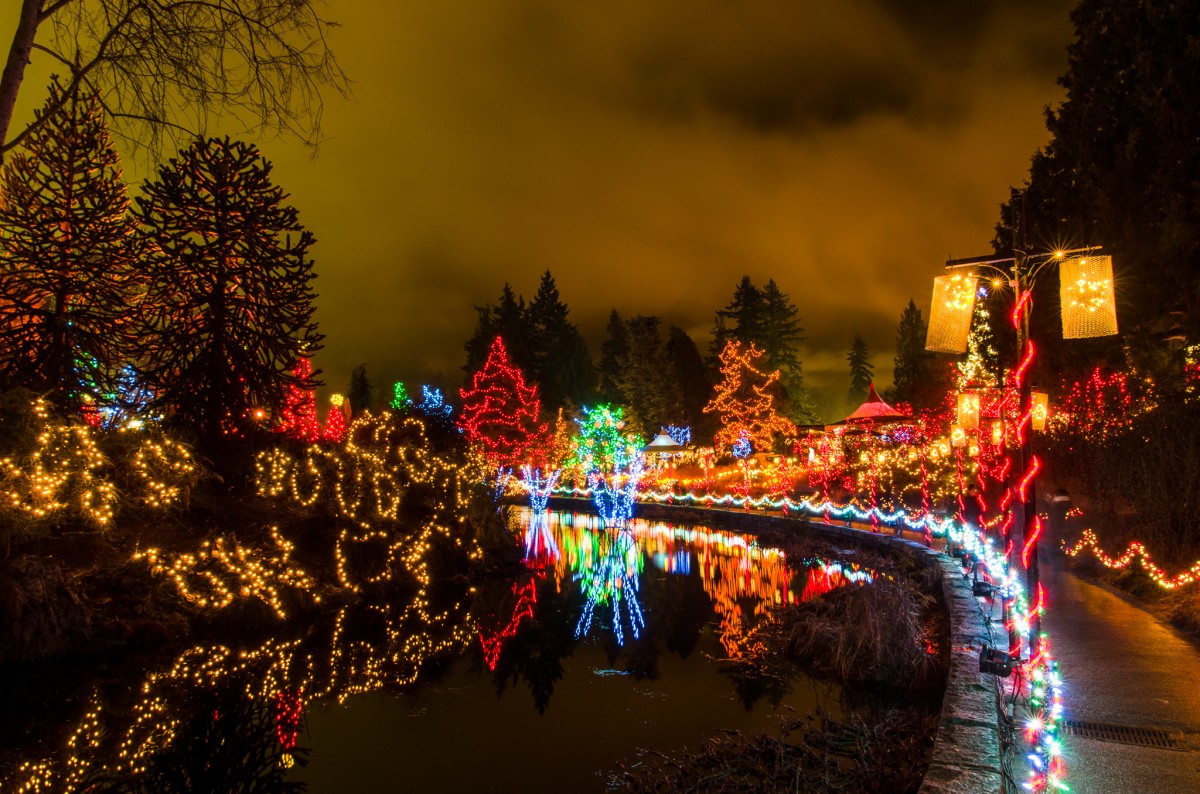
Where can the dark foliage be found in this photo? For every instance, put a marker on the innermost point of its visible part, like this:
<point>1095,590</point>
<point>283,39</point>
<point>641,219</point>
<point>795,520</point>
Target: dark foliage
<point>230,303</point>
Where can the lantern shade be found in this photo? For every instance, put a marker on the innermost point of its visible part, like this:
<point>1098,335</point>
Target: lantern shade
<point>968,410</point>
<point>950,313</point>
<point>1039,406</point>
<point>1086,292</point>
<point>997,432</point>
<point>958,436</point>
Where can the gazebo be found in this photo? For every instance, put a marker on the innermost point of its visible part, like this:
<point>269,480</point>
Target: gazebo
<point>662,445</point>
<point>873,411</point>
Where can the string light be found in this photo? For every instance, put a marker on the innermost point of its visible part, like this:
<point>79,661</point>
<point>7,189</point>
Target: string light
<point>1136,551</point>
<point>744,399</point>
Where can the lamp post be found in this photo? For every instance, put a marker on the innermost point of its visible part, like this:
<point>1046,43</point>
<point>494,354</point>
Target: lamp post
<point>1088,310</point>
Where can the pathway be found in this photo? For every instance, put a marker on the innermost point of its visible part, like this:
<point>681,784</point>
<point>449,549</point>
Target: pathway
<point>1120,664</point>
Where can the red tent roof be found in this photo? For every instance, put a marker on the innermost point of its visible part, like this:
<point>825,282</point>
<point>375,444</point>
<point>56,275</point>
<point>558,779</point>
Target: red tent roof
<point>873,410</point>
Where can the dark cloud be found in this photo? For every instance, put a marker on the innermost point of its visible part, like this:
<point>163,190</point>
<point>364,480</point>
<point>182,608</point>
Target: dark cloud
<point>650,154</point>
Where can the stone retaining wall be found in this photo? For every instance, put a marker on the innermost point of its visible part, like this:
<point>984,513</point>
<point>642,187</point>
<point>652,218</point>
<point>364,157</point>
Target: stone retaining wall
<point>966,752</point>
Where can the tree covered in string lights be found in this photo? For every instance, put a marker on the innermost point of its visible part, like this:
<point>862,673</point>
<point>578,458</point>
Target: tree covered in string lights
<point>745,399</point>
<point>979,369</point>
<point>230,302</point>
<point>335,421</point>
<point>298,418</point>
<point>70,281</point>
<point>601,443</point>
<point>500,410</point>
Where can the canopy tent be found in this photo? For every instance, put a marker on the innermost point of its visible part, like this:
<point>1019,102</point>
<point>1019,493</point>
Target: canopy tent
<point>873,411</point>
<point>662,445</point>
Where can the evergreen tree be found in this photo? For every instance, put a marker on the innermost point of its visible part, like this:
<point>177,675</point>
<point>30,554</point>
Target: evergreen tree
<point>297,417</point>
<point>981,367</point>
<point>690,381</point>
<point>915,380</point>
<point>613,353</point>
<point>1121,171</point>
<point>745,400</point>
<point>508,319</point>
<point>69,281</point>
<point>861,372</point>
<point>644,382</point>
<point>230,298</point>
<point>360,392</point>
<point>559,359</point>
<point>500,410</point>
<point>781,339</point>
<point>746,310</point>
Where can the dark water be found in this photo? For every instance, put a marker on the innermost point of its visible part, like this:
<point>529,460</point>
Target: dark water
<point>608,642</point>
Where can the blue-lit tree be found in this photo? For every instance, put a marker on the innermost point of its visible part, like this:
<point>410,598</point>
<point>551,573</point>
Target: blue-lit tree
<point>609,574</point>
<point>611,460</point>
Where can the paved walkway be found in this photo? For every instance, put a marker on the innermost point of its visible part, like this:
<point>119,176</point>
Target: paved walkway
<point>1120,664</point>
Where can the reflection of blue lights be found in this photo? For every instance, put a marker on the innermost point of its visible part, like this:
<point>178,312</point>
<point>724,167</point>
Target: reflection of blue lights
<point>614,577</point>
<point>679,562</point>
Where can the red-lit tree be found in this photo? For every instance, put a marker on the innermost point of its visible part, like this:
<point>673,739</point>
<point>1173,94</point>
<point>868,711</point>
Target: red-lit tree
<point>745,400</point>
<point>335,421</point>
<point>500,411</point>
<point>298,418</point>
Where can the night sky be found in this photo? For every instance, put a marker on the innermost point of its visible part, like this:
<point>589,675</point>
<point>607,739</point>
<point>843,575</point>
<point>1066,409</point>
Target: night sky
<point>650,154</point>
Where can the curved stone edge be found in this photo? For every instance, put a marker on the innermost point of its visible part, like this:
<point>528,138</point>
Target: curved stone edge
<point>966,750</point>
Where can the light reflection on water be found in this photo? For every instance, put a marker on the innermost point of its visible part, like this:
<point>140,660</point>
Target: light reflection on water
<point>622,639</point>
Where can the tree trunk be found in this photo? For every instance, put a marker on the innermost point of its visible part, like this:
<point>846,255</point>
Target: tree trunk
<point>14,69</point>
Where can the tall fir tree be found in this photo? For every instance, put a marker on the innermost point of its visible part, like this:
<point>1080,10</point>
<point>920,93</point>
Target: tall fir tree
<point>559,357</point>
<point>861,372</point>
<point>691,381</point>
<point>745,312</point>
<point>981,367</point>
<point>360,392</point>
<point>916,380</point>
<point>643,384</point>
<point>614,351</point>
<point>70,282</point>
<point>230,296</point>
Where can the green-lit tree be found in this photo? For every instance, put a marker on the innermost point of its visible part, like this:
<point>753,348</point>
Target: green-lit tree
<point>861,372</point>
<point>230,301</point>
<point>69,280</point>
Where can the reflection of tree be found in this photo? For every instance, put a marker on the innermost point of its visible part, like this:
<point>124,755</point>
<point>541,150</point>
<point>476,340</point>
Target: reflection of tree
<point>219,719</point>
<point>608,574</point>
<point>537,649</point>
<point>223,743</point>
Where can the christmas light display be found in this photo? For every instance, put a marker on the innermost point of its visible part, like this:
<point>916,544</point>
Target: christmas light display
<point>744,399</point>
<point>493,642</point>
<point>538,487</point>
<point>365,481</point>
<point>611,461</point>
<point>950,313</point>
<point>166,470</point>
<point>609,574</point>
<point>129,405</point>
<point>681,435</point>
<point>335,421</point>
<point>1089,308</point>
<point>224,570</point>
<point>60,476</point>
<point>299,419</point>
<point>400,398</point>
<point>500,411</point>
<point>1136,551</point>
<point>742,447</point>
<point>433,404</point>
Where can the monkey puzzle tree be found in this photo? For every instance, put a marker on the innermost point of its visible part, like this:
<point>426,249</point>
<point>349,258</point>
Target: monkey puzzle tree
<point>68,281</point>
<point>230,302</point>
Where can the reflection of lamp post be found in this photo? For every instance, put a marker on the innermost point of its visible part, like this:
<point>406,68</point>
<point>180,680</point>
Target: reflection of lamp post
<point>1088,310</point>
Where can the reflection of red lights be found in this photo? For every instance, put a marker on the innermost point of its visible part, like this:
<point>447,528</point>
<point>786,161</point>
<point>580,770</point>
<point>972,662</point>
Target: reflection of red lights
<point>289,707</point>
<point>493,645</point>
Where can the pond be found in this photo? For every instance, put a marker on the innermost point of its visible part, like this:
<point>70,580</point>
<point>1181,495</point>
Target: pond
<point>608,641</point>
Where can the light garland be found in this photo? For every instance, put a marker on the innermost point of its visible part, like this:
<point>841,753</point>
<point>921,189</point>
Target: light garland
<point>1135,551</point>
<point>224,570</point>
